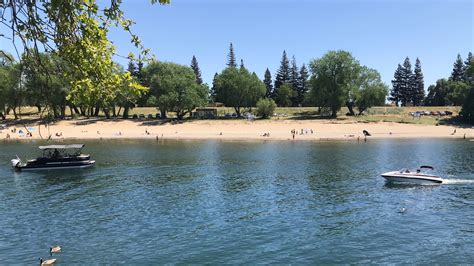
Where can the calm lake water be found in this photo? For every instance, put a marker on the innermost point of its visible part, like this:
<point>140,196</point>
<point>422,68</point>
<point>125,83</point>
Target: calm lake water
<point>212,202</point>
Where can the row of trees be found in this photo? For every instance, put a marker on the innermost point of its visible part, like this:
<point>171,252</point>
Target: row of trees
<point>337,79</point>
<point>455,89</point>
<point>42,81</point>
<point>408,86</point>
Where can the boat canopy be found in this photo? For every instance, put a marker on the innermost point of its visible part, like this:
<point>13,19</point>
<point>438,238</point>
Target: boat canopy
<point>427,167</point>
<point>62,147</point>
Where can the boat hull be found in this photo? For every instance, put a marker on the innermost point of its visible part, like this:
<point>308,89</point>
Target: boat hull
<point>55,166</point>
<point>411,178</point>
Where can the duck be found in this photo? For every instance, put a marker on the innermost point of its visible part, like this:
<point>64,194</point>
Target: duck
<point>55,249</point>
<point>47,262</point>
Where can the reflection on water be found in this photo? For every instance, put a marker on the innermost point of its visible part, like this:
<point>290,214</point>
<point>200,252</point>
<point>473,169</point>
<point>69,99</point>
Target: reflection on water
<point>158,202</point>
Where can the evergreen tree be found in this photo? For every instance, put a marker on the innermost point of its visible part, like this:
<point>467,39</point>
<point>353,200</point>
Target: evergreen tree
<point>303,84</point>
<point>268,84</point>
<point>294,80</point>
<point>418,86</point>
<point>142,80</point>
<point>458,70</point>
<point>466,69</point>
<point>283,73</point>
<point>396,86</point>
<point>213,92</point>
<point>132,68</point>
<point>231,57</point>
<point>406,88</point>
<point>197,71</point>
<point>242,63</point>
<point>139,74</point>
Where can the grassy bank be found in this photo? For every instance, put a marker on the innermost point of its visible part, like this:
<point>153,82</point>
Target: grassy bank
<point>375,114</point>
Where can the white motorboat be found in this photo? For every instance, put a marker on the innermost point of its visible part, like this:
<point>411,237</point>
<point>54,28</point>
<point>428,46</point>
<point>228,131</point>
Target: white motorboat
<point>420,176</point>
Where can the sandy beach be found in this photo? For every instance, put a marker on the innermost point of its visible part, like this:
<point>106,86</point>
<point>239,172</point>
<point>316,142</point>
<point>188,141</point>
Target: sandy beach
<point>231,130</point>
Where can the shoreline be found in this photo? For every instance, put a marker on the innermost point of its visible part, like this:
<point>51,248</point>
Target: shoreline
<point>232,130</point>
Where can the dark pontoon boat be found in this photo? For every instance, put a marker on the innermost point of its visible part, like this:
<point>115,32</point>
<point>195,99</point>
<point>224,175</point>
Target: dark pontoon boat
<point>56,157</point>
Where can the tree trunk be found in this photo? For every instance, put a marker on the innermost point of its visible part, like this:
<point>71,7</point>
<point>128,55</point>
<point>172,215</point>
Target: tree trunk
<point>72,111</point>
<point>55,111</point>
<point>97,109</point>
<point>334,112</point>
<point>2,115</point>
<point>125,111</point>
<point>163,113</point>
<point>76,110</point>
<point>237,111</point>
<point>114,113</point>
<point>361,110</point>
<point>106,112</point>
<point>63,111</point>
<point>39,108</point>
<point>120,109</point>
<point>83,111</point>
<point>14,113</point>
<point>350,106</point>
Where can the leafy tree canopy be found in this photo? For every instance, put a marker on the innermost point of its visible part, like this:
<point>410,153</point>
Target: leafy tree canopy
<point>75,31</point>
<point>175,89</point>
<point>239,88</point>
<point>332,78</point>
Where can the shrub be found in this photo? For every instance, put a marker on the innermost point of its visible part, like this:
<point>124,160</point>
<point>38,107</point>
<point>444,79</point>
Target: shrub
<point>265,107</point>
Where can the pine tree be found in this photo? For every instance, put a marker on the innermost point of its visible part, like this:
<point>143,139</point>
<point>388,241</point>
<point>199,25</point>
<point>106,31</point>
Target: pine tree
<point>268,84</point>
<point>132,68</point>
<point>458,70</point>
<point>418,85</point>
<point>294,79</point>
<point>467,65</point>
<point>283,73</point>
<point>213,91</point>
<point>303,83</point>
<point>396,86</point>
<point>242,63</point>
<point>197,71</point>
<point>406,88</point>
<point>140,76</point>
<point>231,57</point>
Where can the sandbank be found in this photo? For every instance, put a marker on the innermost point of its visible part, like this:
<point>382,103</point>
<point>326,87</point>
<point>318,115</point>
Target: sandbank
<point>231,130</point>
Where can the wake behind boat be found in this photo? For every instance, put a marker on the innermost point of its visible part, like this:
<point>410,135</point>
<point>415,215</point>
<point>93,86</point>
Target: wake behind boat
<point>56,157</point>
<point>420,176</point>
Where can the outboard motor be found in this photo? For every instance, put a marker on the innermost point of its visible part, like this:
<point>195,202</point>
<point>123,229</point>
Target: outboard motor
<point>16,162</point>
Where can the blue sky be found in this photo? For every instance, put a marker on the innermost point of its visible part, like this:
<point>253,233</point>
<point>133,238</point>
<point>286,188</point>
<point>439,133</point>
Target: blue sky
<point>380,34</point>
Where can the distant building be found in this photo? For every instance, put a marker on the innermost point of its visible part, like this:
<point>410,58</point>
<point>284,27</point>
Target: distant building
<point>205,113</point>
<point>215,104</point>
